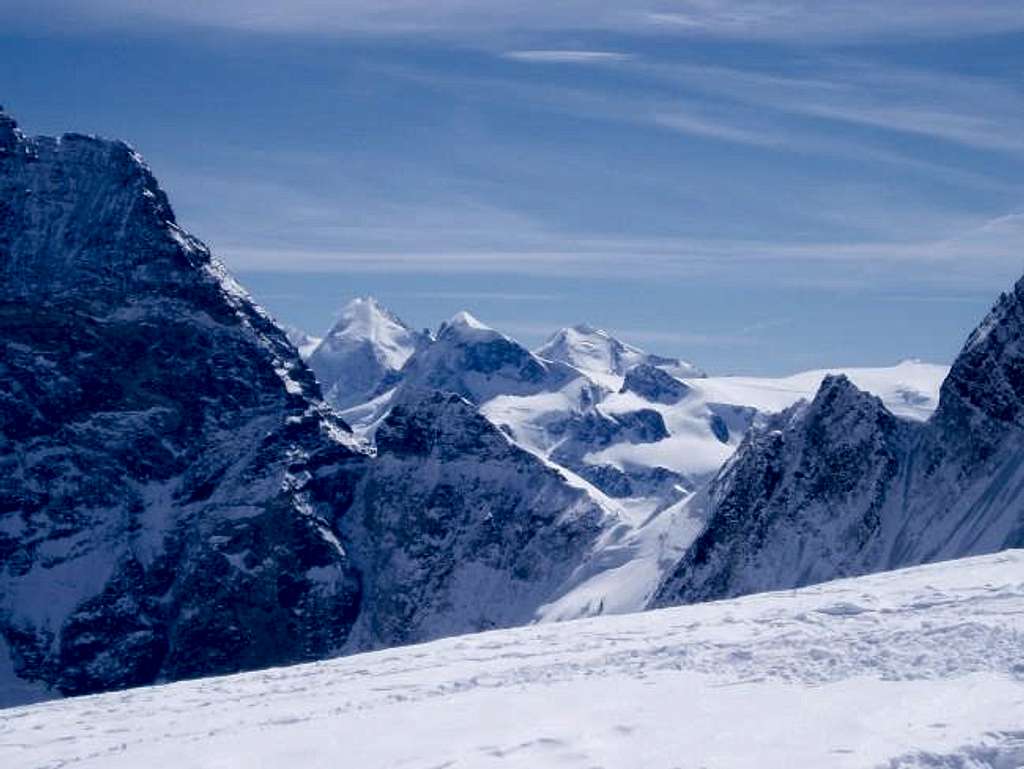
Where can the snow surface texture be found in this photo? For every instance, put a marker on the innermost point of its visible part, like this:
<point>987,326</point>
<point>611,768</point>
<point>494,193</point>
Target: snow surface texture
<point>910,669</point>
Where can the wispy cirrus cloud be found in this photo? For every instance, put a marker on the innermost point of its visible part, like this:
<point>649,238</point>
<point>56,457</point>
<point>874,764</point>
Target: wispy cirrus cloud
<point>963,259</point>
<point>835,19</point>
<point>971,111</point>
<point>786,113</point>
<point>798,20</point>
<point>567,56</point>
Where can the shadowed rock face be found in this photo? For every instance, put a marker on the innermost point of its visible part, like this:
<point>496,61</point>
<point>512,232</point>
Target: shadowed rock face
<point>461,530</point>
<point>800,500</point>
<point>168,479</point>
<point>654,384</point>
<point>842,487</point>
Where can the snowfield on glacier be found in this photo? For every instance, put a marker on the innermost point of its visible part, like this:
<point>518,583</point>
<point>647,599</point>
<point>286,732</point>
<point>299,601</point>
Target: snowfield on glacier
<point>916,668</point>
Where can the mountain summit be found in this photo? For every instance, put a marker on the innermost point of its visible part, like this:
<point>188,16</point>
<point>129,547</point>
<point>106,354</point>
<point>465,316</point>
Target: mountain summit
<point>472,360</point>
<point>363,352</point>
<point>593,349</point>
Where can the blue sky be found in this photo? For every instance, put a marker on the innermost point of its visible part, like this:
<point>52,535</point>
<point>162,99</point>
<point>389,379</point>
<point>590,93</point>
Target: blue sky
<point>756,186</point>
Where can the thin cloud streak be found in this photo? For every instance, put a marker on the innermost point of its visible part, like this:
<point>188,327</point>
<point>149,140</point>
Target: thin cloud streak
<point>760,111</point>
<point>971,111</point>
<point>787,20</point>
<point>567,56</point>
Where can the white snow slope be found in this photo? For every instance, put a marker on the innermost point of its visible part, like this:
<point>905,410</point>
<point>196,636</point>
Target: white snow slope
<point>914,668</point>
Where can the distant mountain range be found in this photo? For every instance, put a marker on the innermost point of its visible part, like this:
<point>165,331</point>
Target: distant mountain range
<point>187,488</point>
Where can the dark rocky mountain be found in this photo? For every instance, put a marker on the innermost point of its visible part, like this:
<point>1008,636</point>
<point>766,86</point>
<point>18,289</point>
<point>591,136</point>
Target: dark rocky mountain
<point>841,487</point>
<point>485,533</point>
<point>176,500</point>
<point>168,477</point>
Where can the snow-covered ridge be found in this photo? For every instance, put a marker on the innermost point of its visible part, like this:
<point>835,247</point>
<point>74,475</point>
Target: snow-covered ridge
<point>595,350</point>
<point>914,668</point>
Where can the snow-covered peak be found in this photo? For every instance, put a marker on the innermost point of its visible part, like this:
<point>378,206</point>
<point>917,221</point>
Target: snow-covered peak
<point>465,320</point>
<point>364,350</point>
<point>588,348</point>
<point>365,320</point>
<point>595,350</point>
<point>464,327</point>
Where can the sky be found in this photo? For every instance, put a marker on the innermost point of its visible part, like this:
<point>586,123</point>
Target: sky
<point>758,187</point>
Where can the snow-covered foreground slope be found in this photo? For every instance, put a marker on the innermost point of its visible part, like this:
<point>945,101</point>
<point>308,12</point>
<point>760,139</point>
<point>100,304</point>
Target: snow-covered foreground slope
<point>917,668</point>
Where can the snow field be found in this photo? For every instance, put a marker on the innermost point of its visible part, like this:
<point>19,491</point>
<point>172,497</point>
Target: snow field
<point>914,668</point>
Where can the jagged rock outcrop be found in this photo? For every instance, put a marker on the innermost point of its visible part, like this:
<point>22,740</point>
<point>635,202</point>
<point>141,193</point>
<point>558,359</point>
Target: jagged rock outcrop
<point>801,500</point>
<point>654,384</point>
<point>168,478</point>
<point>842,487</point>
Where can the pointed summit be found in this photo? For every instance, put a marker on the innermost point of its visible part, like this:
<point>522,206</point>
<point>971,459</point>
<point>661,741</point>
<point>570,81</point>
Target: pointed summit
<point>464,319</point>
<point>464,325</point>
<point>987,378</point>
<point>363,352</point>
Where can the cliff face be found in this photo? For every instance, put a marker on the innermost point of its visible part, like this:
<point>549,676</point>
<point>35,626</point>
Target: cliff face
<point>459,529</point>
<point>164,505</point>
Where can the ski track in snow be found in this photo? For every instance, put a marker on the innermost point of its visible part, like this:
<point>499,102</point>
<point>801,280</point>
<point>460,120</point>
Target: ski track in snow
<point>918,668</point>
